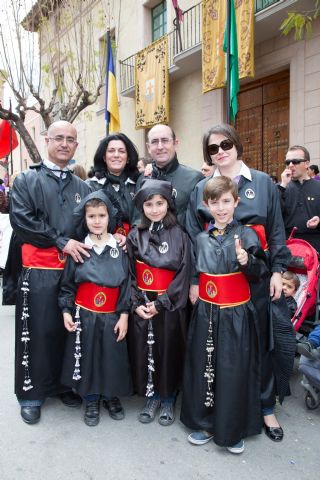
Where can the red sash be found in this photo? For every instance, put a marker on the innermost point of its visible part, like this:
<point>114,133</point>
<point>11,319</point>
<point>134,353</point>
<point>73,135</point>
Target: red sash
<point>96,298</point>
<point>228,290</point>
<point>42,258</point>
<point>124,229</point>
<point>152,279</point>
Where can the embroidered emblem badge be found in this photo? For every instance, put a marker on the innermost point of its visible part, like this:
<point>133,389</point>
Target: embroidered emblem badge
<point>100,299</point>
<point>211,289</point>
<point>77,197</point>
<point>147,277</point>
<point>249,193</point>
<point>164,247</point>
<point>114,253</point>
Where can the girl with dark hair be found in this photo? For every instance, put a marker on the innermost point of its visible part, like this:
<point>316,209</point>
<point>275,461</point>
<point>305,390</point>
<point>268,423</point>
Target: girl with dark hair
<point>259,207</point>
<point>115,171</point>
<point>159,254</point>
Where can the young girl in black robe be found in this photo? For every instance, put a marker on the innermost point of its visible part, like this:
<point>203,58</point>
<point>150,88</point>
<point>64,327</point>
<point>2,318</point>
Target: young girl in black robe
<point>221,390</point>
<point>159,253</point>
<point>95,300</point>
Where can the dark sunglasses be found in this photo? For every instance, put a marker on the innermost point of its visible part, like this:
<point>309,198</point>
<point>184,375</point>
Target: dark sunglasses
<point>213,149</point>
<point>294,161</point>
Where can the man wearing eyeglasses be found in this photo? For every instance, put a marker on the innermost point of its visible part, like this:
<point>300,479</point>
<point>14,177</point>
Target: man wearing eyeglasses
<point>300,197</point>
<point>42,202</point>
<point>162,144</point>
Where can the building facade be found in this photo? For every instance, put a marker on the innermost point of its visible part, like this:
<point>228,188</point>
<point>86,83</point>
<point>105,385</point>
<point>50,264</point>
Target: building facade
<point>279,107</point>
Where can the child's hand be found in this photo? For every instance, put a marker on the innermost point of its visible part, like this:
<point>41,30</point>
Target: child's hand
<point>193,293</point>
<point>152,309</point>
<point>242,255</point>
<point>68,322</point>
<point>121,327</point>
<point>143,312</point>
<point>121,239</point>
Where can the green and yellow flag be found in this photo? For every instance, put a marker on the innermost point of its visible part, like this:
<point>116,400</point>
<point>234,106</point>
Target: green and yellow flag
<point>233,86</point>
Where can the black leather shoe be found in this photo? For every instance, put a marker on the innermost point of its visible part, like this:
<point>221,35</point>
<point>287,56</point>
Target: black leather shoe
<point>71,399</point>
<point>92,413</point>
<point>30,415</point>
<point>274,433</point>
<point>115,408</point>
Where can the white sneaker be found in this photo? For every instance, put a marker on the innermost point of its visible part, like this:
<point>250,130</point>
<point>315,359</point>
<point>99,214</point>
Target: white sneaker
<point>237,448</point>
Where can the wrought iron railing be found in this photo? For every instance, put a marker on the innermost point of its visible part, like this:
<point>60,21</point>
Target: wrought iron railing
<point>188,36</point>
<point>262,4</point>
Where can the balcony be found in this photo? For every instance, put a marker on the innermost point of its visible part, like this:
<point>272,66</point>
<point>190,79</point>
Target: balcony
<point>184,49</point>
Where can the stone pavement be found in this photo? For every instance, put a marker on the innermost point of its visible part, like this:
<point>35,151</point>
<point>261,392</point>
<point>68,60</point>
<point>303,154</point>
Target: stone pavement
<point>62,447</point>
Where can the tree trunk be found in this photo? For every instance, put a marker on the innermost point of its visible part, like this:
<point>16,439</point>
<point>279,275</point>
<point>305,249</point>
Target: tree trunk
<point>24,134</point>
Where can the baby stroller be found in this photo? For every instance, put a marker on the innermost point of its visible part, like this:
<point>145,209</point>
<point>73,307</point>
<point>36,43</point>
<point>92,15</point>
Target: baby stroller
<point>310,367</point>
<point>305,264</point>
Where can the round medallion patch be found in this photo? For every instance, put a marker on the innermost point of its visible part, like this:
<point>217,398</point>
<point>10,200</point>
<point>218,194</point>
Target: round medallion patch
<point>100,299</point>
<point>114,253</point>
<point>249,193</point>
<point>147,277</point>
<point>164,247</point>
<point>211,289</point>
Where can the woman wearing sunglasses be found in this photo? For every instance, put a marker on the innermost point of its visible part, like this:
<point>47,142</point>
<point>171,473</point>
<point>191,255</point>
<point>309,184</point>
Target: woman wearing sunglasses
<point>259,207</point>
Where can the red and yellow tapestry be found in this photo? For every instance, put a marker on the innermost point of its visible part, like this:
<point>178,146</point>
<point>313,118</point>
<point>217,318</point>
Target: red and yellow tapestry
<point>152,85</point>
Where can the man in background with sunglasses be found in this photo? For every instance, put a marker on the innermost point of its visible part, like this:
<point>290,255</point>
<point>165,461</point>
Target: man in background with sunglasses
<point>300,197</point>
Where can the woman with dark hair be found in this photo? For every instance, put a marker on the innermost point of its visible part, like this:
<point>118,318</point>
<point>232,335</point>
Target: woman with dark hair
<point>115,171</point>
<point>259,207</point>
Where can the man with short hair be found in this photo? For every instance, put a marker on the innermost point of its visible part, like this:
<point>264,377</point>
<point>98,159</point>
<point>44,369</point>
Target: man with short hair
<point>207,170</point>
<point>42,202</point>
<point>162,145</point>
<point>300,197</point>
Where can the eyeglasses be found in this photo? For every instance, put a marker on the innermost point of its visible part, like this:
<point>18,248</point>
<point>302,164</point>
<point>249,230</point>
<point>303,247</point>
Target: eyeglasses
<point>213,149</point>
<point>164,141</point>
<point>61,139</point>
<point>294,161</point>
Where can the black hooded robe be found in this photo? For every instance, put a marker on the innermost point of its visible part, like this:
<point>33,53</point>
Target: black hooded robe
<point>41,209</point>
<point>236,413</point>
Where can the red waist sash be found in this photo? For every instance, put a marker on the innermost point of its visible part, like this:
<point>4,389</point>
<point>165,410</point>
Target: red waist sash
<point>260,231</point>
<point>153,279</point>
<point>227,290</point>
<point>124,229</point>
<point>97,298</point>
<point>43,258</point>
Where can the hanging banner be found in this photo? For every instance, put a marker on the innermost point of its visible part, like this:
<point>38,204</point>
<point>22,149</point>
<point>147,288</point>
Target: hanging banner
<point>152,85</point>
<point>213,26</point>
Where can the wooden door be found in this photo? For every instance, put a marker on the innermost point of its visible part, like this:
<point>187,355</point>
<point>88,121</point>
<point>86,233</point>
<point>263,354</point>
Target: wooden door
<point>263,123</point>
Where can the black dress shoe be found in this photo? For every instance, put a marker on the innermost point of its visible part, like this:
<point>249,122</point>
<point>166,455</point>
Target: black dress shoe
<point>92,413</point>
<point>30,415</point>
<point>71,399</point>
<point>115,408</point>
<point>274,433</point>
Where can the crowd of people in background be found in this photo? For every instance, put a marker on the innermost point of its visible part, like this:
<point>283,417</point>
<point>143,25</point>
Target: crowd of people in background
<point>150,275</point>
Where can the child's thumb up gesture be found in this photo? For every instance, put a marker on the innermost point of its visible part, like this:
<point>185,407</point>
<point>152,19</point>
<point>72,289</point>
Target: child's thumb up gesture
<point>241,254</point>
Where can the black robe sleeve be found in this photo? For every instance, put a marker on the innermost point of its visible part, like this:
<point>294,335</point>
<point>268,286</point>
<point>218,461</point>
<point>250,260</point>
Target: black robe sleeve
<point>68,287</point>
<point>177,294</point>
<point>28,219</point>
